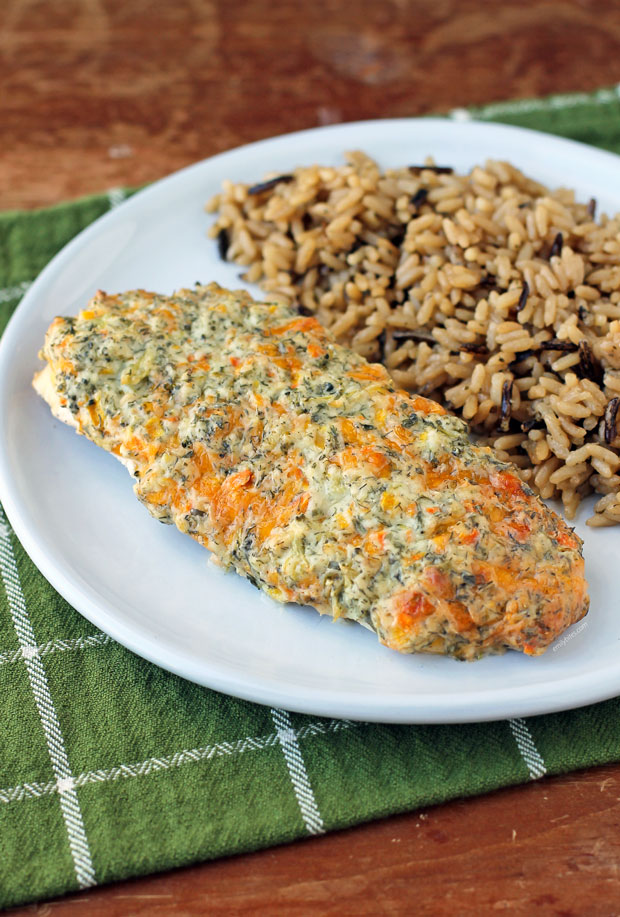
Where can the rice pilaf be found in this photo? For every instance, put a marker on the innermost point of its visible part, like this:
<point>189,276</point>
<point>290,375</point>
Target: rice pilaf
<point>488,292</point>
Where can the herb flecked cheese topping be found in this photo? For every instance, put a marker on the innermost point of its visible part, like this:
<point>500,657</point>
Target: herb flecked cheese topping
<point>302,467</point>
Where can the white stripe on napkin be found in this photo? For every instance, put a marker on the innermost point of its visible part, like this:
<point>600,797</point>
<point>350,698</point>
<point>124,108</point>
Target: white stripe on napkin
<point>69,803</point>
<point>527,747</point>
<point>302,788</point>
<point>149,766</point>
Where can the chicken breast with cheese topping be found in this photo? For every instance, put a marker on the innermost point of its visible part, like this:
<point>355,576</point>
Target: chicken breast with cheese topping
<point>302,467</point>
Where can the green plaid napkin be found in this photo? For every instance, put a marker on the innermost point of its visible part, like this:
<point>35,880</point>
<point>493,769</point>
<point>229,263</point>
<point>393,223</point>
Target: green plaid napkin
<point>111,767</point>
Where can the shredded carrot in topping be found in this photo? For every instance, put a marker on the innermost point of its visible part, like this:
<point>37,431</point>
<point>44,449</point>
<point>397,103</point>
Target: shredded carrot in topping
<point>440,541</point>
<point>66,366</point>
<point>413,607</point>
<point>520,530</point>
<point>567,539</point>
<point>134,447</point>
<point>374,543</point>
<point>410,559</point>
<point>491,573</point>
<point>437,476</point>
<point>437,582</point>
<point>95,417</point>
<point>287,362</point>
<point>380,417</point>
<point>169,494</point>
<point>507,482</point>
<point>469,537</point>
<point>280,512</point>
<point>370,373</point>
<point>399,437</point>
<point>388,500</point>
<point>233,498</point>
<point>298,324</point>
<point>153,427</point>
<point>362,457</point>
<point>460,616</point>
<point>269,350</point>
<point>349,431</point>
<point>424,406</point>
<point>200,363</point>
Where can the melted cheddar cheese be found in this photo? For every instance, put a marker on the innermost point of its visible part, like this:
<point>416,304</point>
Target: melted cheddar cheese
<point>302,467</point>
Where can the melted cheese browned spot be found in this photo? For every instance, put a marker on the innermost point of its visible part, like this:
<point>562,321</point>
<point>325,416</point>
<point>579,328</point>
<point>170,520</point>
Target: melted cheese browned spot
<point>302,467</point>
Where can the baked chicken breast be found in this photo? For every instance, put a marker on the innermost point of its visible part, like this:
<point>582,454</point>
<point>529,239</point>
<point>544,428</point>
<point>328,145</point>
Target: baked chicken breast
<point>301,466</point>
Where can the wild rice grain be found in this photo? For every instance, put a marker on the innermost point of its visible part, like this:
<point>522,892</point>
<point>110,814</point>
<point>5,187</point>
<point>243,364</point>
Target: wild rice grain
<point>222,244</point>
<point>438,170</point>
<point>419,198</point>
<point>525,292</point>
<point>506,407</point>
<point>611,413</point>
<point>270,184</point>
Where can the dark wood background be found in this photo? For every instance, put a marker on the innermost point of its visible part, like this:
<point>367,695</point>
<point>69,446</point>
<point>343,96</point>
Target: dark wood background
<point>103,93</point>
<point>97,93</point>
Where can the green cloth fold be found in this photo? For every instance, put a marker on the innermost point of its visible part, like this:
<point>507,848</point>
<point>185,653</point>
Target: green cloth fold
<point>111,767</point>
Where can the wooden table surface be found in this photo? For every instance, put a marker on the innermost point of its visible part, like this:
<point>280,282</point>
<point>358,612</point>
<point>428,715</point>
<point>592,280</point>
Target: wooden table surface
<point>103,93</point>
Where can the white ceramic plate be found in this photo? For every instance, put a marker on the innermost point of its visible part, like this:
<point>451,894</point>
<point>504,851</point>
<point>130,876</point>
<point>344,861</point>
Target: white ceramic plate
<point>152,588</point>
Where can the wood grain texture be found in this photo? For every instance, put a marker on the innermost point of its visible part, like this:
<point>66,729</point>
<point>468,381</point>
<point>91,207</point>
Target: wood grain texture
<point>549,848</point>
<point>102,93</point>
